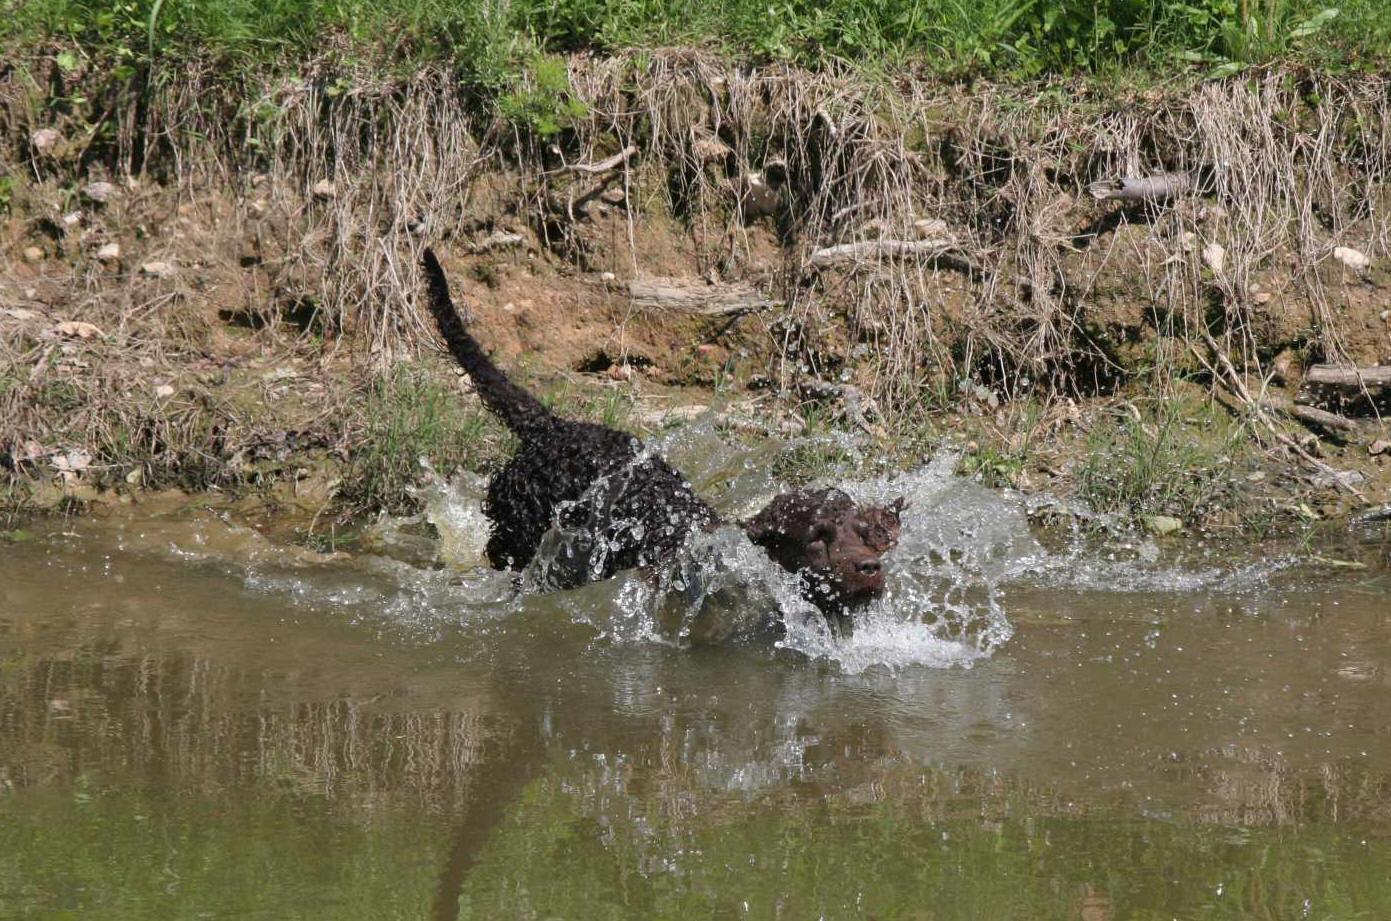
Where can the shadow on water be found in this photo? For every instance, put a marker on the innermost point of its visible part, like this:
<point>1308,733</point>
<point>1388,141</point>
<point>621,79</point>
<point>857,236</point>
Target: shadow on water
<point>195,723</point>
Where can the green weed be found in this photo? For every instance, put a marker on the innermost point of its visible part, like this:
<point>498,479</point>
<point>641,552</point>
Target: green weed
<point>1176,458</point>
<point>542,102</point>
<point>496,44</point>
<point>407,416</point>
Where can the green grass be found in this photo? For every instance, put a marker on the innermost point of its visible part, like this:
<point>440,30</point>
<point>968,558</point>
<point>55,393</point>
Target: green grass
<point>408,416</point>
<point>1175,457</point>
<point>490,42</point>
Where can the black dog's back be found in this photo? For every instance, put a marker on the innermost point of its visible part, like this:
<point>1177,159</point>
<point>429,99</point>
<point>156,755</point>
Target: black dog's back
<point>620,506</point>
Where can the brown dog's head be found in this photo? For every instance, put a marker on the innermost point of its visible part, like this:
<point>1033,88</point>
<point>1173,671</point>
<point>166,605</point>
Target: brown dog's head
<point>835,545</point>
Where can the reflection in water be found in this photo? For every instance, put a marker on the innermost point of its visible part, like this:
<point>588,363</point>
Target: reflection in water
<point>192,726</point>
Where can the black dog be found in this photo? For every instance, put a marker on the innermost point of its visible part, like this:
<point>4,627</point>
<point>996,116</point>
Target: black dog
<point>629,508</point>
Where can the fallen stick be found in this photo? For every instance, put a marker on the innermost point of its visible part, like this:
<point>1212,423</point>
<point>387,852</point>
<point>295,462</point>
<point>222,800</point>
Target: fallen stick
<point>1334,376</point>
<point>681,296</point>
<point>866,250</point>
<point>1233,381</point>
<point>1157,188</point>
<point>603,166</point>
<point>1329,422</point>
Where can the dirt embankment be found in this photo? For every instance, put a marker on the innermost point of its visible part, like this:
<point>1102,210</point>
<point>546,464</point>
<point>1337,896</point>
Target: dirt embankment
<point>213,288</point>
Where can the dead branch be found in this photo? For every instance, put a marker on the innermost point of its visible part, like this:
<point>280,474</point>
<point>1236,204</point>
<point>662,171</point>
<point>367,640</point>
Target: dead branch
<point>1356,378</point>
<point>603,166</point>
<point>677,295</point>
<point>1329,422</point>
<point>499,240</point>
<point>1233,381</point>
<point>1161,187</point>
<point>867,250</point>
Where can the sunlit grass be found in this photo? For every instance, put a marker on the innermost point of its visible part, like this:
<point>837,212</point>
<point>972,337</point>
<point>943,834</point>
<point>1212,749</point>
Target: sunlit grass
<point>487,39</point>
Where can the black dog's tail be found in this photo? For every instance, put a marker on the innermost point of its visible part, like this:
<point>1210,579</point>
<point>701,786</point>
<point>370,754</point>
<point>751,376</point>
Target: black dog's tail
<point>522,412</point>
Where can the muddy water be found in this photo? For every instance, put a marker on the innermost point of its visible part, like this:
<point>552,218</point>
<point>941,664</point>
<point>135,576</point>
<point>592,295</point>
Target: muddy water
<point>196,724</point>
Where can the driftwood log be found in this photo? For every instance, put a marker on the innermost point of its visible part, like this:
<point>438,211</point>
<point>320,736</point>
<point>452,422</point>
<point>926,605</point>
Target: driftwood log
<point>602,166</point>
<point>1356,378</point>
<point>1157,188</point>
<point>679,295</point>
<point>869,250</point>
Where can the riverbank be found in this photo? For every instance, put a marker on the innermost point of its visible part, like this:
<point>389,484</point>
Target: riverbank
<point>212,287</point>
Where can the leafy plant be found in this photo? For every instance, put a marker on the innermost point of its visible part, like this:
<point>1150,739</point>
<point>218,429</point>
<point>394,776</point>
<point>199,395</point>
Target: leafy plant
<point>543,101</point>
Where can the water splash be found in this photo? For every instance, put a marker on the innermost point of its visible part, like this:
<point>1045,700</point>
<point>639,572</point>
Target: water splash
<point>941,606</point>
<point>454,507</point>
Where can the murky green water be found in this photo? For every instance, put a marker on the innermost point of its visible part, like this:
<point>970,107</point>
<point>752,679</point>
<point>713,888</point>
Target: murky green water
<point>191,728</point>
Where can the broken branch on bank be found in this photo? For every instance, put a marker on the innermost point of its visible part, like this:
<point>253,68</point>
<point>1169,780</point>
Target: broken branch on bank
<point>676,295</point>
<point>869,250</point>
<point>1354,378</point>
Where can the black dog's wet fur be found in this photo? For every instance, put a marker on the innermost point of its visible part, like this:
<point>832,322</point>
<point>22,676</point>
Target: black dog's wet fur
<point>642,511</point>
<point>649,510</point>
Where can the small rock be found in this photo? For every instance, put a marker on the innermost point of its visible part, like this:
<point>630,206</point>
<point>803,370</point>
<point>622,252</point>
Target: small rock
<point>1381,446</point>
<point>33,254</point>
<point>620,372</point>
<point>1161,525</point>
<point>163,391</point>
<point>74,461</point>
<point>324,189</point>
<point>100,192</point>
<point>135,477</point>
<point>614,196</point>
<point>1284,368</point>
<point>707,149</point>
<point>1347,479</point>
<point>1261,298</point>
<point>929,228</point>
<point>607,277</point>
<point>75,329</point>
<point>1351,258</point>
<point>157,269</point>
<point>45,139</point>
<point>111,252</point>
<point>1215,256</point>
<point>509,307</point>
<point>72,219</point>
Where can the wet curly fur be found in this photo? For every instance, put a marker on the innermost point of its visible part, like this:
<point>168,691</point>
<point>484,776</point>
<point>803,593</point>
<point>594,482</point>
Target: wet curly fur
<point>604,487</point>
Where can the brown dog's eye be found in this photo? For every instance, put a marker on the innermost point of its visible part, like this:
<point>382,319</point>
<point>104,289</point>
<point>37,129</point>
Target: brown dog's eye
<point>823,533</point>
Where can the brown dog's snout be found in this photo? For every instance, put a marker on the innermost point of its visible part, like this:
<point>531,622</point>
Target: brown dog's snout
<point>870,568</point>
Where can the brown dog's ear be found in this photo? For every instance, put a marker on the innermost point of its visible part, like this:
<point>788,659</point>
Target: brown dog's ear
<point>885,524</point>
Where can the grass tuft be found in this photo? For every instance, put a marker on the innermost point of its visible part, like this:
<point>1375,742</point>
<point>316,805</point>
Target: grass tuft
<point>1174,457</point>
<point>407,417</point>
